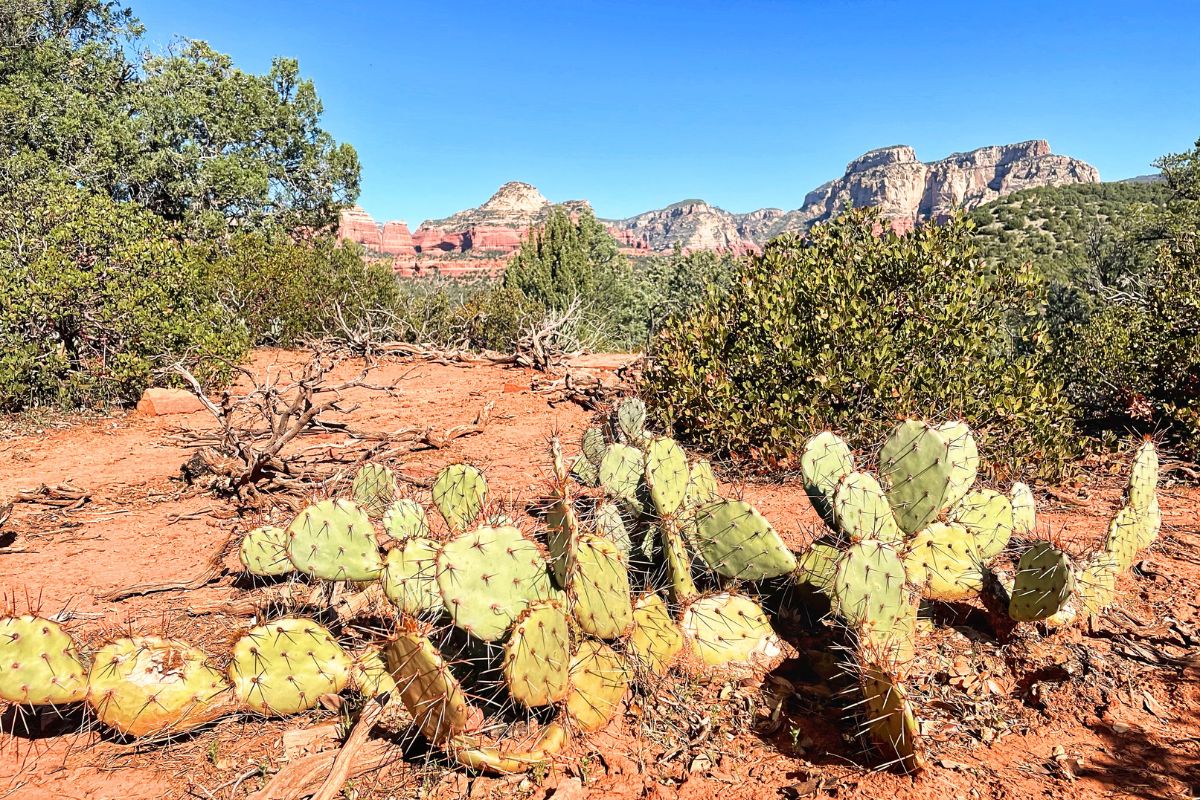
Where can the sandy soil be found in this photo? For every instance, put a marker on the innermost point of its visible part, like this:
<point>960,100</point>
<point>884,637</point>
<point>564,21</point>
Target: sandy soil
<point>1107,710</point>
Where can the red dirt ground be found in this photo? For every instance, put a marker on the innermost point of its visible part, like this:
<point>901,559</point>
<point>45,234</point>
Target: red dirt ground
<point>1110,710</point>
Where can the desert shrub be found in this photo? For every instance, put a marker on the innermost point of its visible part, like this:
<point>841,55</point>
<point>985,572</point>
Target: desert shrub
<point>849,327</point>
<point>95,296</point>
<point>677,283</point>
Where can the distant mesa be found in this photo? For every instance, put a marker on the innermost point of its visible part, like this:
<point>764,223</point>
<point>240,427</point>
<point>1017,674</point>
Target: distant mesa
<point>906,190</point>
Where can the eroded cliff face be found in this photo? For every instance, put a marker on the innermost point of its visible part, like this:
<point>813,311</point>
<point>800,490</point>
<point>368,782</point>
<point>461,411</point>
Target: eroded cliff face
<point>905,189</point>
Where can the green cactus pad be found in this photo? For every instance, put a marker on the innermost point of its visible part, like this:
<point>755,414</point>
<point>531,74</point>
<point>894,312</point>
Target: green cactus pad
<point>729,630</point>
<point>599,589</point>
<point>826,459</point>
<point>334,540</point>
<point>1125,533</point>
<point>1024,509</point>
<point>562,539</point>
<point>611,525</point>
<point>738,542</point>
<point>599,680</point>
<point>817,566</point>
<point>369,674</point>
<point>487,577</point>
<point>964,461</point>
<point>263,552</point>
<point>1151,520</point>
<point>702,485</point>
<point>988,517</point>
<point>915,462</point>
<point>405,519</point>
<point>890,722</point>
<point>410,577</point>
<point>147,686</point>
<point>1042,585</point>
<point>537,655</point>
<point>459,492</point>
<point>655,639</point>
<point>584,471</point>
<point>593,446</point>
<point>621,471</point>
<point>1143,478</point>
<point>1096,583</point>
<point>678,560</point>
<point>284,666</point>
<point>39,663</point>
<point>427,688</point>
<point>868,589</point>
<point>667,475</point>
<point>374,489</point>
<point>944,560</point>
<point>862,511</point>
<point>631,421</point>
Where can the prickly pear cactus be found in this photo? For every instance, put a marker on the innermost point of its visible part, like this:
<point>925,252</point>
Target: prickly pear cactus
<point>369,674</point>
<point>1143,477</point>
<point>817,566</point>
<point>263,552</point>
<point>915,462</point>
<point>890,721</point>
<point>537,655</point>
<point>1096,583</point>
<point>944,560</point>
<point>964,460</point>
<point>868,589</point>
<point>599,588</point>
<point>39,663</point>
<point>410,577</point>
<point>427,687</point>
<point>405,519</point>
<point>594,446</point>
<point>1024,509</point>
<point>666,475</point>
<point>988,517</point>
<point>599,679</point>
<point>147,686</point>
<point>729,629</point>
<point>621,472</point>
<point>334,540</point>
<point>487,577</point>
<point>611,525</point>
<point>585,472</point>
<point>631,421</point>
<point>862,511</point>
<point>459,492</point>
<point>826,459</point>
<point>738,542</point>
<point>678,561</point>
<point>284,666</point>
<point>1042,585</point>
<point>563,530</point>
<point>702,485</point>
<point>374,489</point>
<point>1125,534</point>
<point>655,638</point>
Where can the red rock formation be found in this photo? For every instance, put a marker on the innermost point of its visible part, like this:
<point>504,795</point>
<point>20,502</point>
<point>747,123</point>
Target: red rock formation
<point>356,225</point>
<point>396,240</point>
<point>493,238</point>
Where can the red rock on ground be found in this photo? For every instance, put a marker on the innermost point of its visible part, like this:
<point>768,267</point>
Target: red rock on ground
<point>158,402</point>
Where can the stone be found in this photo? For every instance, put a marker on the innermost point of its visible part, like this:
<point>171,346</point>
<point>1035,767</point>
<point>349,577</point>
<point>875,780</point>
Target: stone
<point>159,402</point>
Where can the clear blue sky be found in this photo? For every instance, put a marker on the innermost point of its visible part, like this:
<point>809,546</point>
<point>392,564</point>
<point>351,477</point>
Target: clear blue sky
<point>635,105</point>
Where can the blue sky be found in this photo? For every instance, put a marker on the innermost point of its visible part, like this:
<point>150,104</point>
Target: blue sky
<point>635,105</point>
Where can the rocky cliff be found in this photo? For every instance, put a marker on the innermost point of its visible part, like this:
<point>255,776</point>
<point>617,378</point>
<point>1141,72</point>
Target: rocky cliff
<point>906,190</point>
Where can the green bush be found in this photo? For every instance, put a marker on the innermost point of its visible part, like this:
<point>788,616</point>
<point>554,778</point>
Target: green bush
<point>849,328</point>
<point>95,296</point>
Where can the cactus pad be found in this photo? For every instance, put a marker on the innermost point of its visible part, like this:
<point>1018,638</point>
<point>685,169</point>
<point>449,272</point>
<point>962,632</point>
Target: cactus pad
<point>826,459</point>
<point>537,655</point>
<point>868,589</point>
<point>146,686</point>
<point>562,539</point>
<point>405,519</point>
<point>410,579</point>
<point>890,722</point>
<point>369,674</point>
<point>964,461</point>
<point>1125,533</point>
<point>284,666</point>
<point>1096,583</point>
<point>611,525</point>
<point>817,566</point>
<point>263,552</point>
<point>621,471</point>
<point>334,540</point>
<point>667,475</point>
<point>988,517</point>
<point>631,421</point>
<point>39,663</point>
<point>459,492</point>
<point>862,511</point>
<point>487,577</point>
<point>593,446</point>
<point>599,679</point>
<point>599,588</point>
<point>584,471</point>
<point>1042,585</point>
<point>702,485</point>
<point>738,542</point>
<point>655,638</point>
<point>1024,509</point>
<point>1143,478</point>
<point>374,489</point>
<point>729,629</point>
<point>945,561</point>
<point>915,462</point>
<point>427,688</point>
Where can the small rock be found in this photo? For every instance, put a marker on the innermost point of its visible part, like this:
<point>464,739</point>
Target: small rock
<point>569,789</point>
<point>157,402</point>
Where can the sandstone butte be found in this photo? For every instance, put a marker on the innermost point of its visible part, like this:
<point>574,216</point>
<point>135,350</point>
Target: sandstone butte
<point>479,240</point>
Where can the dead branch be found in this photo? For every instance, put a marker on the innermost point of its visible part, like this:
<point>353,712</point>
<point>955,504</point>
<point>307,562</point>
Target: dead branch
<point>304,776</point>
<point>345,759</point>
